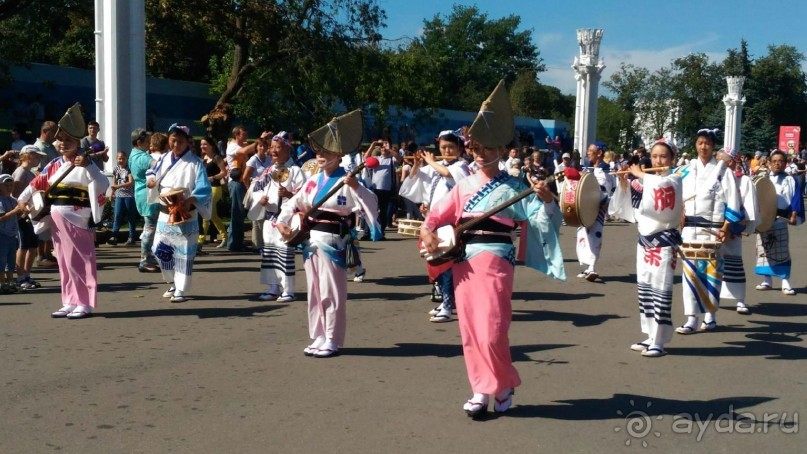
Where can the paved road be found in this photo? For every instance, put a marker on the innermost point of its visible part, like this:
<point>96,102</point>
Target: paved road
<point>224,373</point>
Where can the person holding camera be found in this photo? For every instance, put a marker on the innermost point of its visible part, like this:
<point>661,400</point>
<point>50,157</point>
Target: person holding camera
<point>381,180</point>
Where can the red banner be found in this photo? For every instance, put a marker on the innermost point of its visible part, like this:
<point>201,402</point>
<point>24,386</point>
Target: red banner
<point>789,139</point>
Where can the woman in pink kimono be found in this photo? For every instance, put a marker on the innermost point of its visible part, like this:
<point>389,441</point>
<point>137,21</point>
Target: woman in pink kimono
<point>483,275</point>
<point>326,251</point>
<point>77,205</point>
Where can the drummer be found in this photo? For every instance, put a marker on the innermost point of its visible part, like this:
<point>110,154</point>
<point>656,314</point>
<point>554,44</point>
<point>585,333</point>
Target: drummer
<point>280,182</point>
<point>434,181</point>
<point>654,203</point>
<point>589,239</point>
<point>732,250</point>
<point>773,246</point>
<point>179,171</point>
<point>712,214</point>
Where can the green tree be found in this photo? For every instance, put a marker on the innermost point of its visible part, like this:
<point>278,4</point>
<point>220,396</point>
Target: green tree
<point>465,54</point>
<point>58,32</point>
<point>779,87</point>
<point>611,120</point>
<point>656,109</point>
<point>698,88</point>
<point>628,84</point>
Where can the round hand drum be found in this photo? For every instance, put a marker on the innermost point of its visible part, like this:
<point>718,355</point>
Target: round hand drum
<point>580,201</point>
<point>766,201</point>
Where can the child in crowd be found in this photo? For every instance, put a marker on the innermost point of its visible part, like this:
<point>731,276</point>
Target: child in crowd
<point>124,200</point>
<point>30,156</point>
<point>8,234</point>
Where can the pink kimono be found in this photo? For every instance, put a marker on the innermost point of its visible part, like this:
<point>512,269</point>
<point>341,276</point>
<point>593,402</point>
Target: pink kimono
<point>483,278</point>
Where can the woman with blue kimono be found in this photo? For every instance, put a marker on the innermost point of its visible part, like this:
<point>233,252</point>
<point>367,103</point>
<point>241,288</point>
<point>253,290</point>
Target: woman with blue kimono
<point>179,171</point>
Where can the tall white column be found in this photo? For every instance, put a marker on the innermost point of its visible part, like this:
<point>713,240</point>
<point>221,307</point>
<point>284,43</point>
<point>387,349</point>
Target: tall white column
<point>734,102</point>
<point>120,72</point>
<point>588,68</point>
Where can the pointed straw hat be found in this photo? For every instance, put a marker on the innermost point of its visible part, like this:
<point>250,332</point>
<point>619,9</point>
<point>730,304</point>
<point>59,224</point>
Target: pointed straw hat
<point>341,135</point>
<point>72,123</point>
<point>494,126</point>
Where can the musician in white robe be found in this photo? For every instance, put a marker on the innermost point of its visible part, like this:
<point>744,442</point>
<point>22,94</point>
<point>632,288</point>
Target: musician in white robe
<point>712,214</point>
<point>327,252</point>
<point>430,183</point>
<point>76,207</point>
<point>589,239</point>
<point>731,251</point>
<point>773,246</point>
<point>654,203</point>
<point>279,183</point>
<point>177,235</point>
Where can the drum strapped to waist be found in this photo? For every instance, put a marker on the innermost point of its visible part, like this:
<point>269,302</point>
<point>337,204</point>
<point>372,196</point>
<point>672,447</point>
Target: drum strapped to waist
<point>700,250</point>
<point>580,201</point>
<point>175,207</point>
<point>766,201</point>
<point>409,227</point>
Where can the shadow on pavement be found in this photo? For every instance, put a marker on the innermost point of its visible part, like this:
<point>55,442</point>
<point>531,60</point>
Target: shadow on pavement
<point>579,320</point>
<point>519,352</point>
<point>205,312</point>
<point>13,304</point>
<point>553,296</point>
<point>624,406</point>
<point>780,309</point>
<point>773,340</point>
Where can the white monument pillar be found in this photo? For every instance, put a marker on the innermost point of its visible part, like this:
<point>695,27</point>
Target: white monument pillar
<point>587,68</point>
<point>734,102</point>
<point>120,72</point>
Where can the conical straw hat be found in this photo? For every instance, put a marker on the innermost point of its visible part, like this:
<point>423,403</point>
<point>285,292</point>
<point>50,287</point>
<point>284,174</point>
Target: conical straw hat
<point>72,123</point>
<point>341,135</point>
<point>493,126</point>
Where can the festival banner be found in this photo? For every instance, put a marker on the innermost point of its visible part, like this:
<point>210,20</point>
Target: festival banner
<point>789,139</point>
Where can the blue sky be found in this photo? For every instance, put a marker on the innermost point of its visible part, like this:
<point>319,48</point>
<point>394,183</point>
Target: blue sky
<point>646,33</point>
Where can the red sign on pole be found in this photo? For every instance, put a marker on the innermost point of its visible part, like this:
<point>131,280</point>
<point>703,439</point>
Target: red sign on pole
<point>789,139</point>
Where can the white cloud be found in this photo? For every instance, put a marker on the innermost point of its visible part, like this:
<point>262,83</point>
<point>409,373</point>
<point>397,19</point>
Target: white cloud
<point>561,75</point>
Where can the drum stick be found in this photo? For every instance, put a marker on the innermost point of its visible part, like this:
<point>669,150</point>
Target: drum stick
<point>717,234</point>
<point>648,170</point>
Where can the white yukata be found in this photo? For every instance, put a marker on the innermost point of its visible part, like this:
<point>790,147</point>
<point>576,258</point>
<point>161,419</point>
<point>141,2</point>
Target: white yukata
<point>175,245</point>
<point>325,251</point>
<point>655,205</point>
<point>428,186</point>
<point>277,259</point>
<point>716,200</point>
<point>732,250</point>
<point>589,240</point>
<point>773,246</point>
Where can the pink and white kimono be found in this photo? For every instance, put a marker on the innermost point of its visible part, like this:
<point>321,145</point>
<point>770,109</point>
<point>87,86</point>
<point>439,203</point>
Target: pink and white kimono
<point>324,252</point>
<point>78,204</point>
<point>483,277</point>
